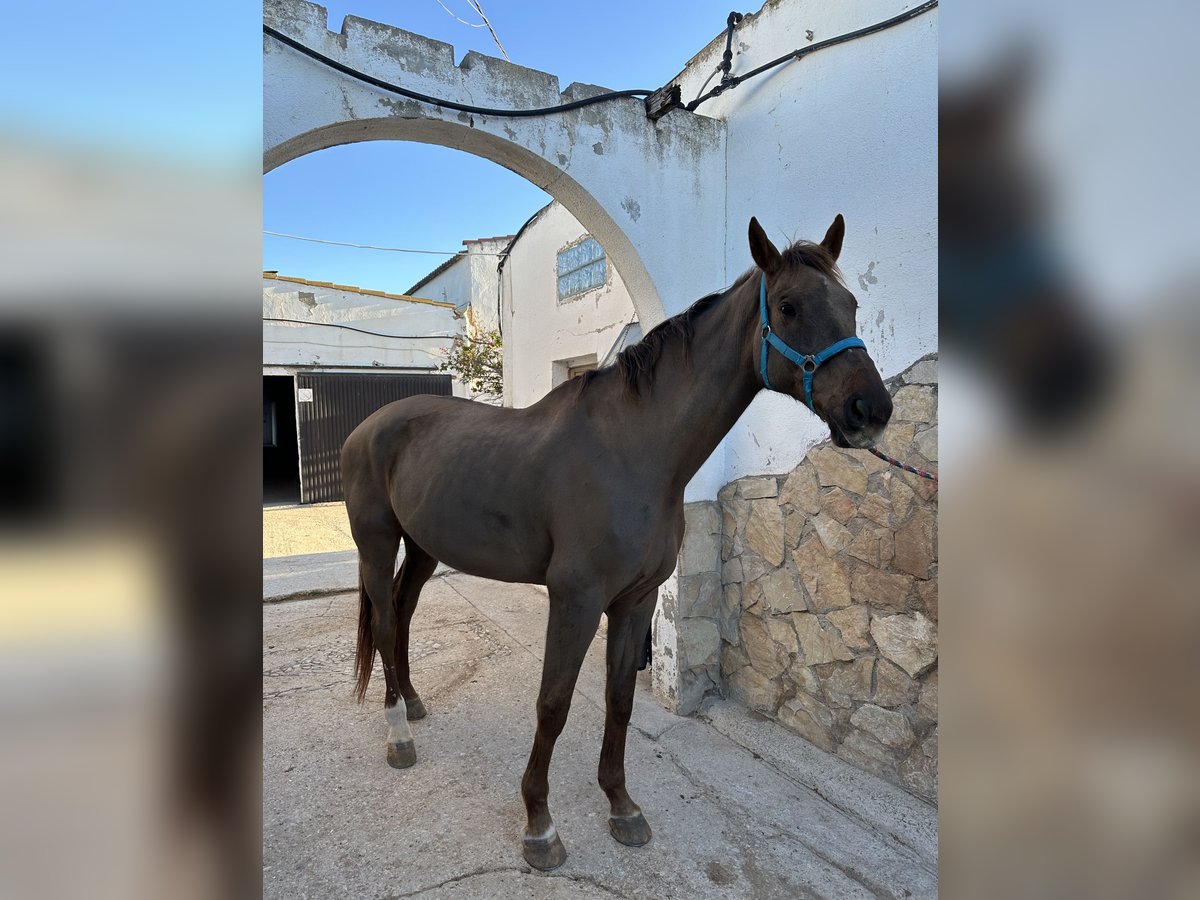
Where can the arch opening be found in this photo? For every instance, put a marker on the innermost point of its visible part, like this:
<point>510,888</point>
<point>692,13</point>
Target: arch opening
<point>511,155</point>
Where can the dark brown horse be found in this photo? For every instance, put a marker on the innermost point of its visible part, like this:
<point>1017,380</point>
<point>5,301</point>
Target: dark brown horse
<point>583,491</point>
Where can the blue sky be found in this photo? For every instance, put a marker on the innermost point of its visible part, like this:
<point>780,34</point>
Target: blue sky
<point>142,78</point>
<point>367,193</point>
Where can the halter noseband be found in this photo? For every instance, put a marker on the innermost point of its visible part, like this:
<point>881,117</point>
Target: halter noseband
<point>807,363</point>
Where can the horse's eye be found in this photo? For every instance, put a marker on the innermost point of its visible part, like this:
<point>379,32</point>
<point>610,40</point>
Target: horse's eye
<point>787,309</point>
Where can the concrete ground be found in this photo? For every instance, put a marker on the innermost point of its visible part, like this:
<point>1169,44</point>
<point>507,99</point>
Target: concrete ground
<point>740,807</point>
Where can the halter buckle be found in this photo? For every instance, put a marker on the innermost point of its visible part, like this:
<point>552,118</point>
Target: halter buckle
<point>809,360</point>
<point>766,329</point>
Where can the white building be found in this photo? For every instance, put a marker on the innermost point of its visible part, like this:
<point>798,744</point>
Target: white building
<point>332,354</point>
<point>565,308</point>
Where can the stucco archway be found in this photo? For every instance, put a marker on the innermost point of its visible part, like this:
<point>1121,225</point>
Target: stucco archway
<point>607,163</point>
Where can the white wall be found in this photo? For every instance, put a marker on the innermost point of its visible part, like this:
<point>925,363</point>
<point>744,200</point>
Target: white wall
<point>849,129</point>
<point>318,345</point>
<point>452,285</point>
<point>483,256</point>
<point>539,331</point>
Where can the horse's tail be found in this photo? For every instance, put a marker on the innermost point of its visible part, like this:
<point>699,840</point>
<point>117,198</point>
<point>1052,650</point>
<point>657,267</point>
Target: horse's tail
<point>364,657</point>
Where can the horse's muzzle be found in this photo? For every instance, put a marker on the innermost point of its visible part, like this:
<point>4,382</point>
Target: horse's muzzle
<point>862,420</point>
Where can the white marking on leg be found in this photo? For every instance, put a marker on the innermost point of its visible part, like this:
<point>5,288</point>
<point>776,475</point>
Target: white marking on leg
<point>548,835</point>
<point>397,719</point>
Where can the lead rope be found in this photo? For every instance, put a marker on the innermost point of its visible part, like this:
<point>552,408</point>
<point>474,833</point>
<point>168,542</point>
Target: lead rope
<point>905,466</point>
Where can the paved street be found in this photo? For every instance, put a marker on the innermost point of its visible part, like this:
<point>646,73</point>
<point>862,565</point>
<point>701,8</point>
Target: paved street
<point>741,808</point>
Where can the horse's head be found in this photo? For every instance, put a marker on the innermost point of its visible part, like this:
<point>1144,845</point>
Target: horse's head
<point>805,344</point>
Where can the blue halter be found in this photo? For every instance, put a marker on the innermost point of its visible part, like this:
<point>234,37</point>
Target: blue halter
<point>809,363</point>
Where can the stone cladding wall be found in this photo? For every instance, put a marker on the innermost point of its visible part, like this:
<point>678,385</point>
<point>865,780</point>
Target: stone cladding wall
<point>828,612</point>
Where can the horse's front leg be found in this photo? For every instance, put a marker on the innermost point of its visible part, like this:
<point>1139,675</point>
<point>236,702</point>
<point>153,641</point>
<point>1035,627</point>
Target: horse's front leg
<point>572,625</point>
<point>627,626</point>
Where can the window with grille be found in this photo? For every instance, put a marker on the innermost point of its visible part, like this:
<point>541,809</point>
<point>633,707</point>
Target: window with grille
<point>580,269</point>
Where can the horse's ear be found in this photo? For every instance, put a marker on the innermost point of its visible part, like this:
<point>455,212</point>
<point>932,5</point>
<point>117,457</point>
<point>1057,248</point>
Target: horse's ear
<point>766,257</point>
<point>833,237</point>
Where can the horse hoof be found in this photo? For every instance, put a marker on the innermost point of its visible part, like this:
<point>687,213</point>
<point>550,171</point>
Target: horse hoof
<point>632,831</point>
<point>401,756</point>
<point>415,708</point>
<point>544,854</point>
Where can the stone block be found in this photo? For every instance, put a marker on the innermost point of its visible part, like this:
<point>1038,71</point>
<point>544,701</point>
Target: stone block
<point>731,611</point>
<point>752,596</point>
<point>803,678</point>
<point>914,403</point>
<point>927,597</point>
<point>847,684</point>
<point>758,488</point>
<point>750,687</point>
<point>853,622</point>
<point>764,654</point>
<point>882,589</point>
<point>910,641</point>
<point>901,494</point>
<point>731,571</point>
<point>699,595</point>
<point>893,687</point>
<point>834,535</point>
<point>865,547</point>
<point>781,594</point>
<point>862,750</point>
<point>926,444</point>
<point>918,773</point>
<point>838,469</point>
<point>923,372</point>
<point>839,505</point>
<point>818,643</point>
<point>698,643</point>
<point>927,706</point>
<point>753,566</point>
<point>793,526</point>
<point>733,658</point>
<point>897,440</point>
<point>810,719</point>
<point>802,489</point>
<point>694,686</point>
<point>783,633</point>
<point>764,531</point>
<point>701,550</point>
<point>890,728</point>
<point>876,508</point>
<point>914,545</point>
<point>825,579</point>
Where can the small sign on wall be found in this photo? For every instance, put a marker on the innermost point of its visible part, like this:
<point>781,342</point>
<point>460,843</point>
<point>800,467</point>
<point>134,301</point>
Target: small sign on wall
<point>304,395</point>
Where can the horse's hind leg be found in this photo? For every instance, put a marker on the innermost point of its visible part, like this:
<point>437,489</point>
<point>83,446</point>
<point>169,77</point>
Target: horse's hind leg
<point>376,559</point>
<point>627,625</point>
<point>417,568</point>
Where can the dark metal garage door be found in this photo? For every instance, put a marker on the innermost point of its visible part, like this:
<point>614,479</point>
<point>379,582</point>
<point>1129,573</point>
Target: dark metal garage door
<point>330,406</point>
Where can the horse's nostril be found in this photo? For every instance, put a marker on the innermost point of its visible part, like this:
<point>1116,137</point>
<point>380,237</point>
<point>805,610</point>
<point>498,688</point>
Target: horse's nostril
<point>857,412</point>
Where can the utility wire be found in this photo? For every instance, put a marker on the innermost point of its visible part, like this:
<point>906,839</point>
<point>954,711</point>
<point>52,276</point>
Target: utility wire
<point>296,237</point>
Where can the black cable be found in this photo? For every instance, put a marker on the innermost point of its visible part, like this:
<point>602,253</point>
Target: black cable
<point>735,80</point>
<point>734,19</point>
<point>419,337</point>
<point>448,104</point>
